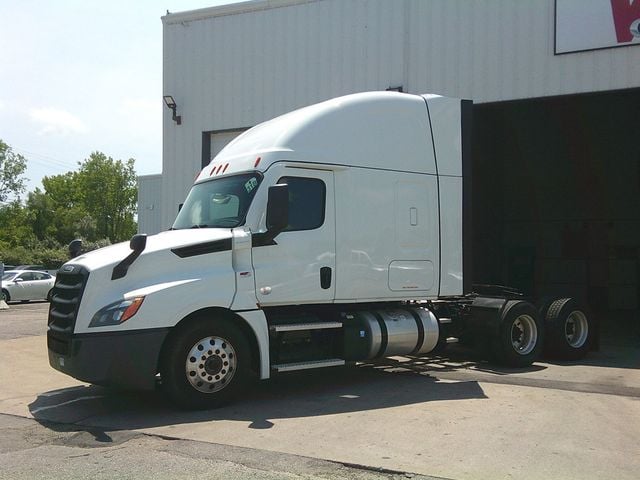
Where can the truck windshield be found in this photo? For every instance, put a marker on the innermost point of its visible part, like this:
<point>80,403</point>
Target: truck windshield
<point>221,203</point>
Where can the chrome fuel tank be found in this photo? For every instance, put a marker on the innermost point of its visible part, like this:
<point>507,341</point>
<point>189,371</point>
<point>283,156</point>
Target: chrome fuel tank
<point>383,333</point>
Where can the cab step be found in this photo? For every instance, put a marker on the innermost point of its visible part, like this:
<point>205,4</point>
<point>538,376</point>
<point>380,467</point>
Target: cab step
<point>293,327</point>
<point>289,367</point>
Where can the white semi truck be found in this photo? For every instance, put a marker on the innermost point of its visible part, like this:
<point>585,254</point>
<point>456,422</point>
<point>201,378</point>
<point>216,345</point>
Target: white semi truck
<point>334,234</point>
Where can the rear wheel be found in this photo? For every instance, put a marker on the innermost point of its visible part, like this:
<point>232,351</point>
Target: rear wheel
<point>569,330</point>
<point>519,339</point>
<point>49,295</point>
<point>543,305</point>
<point>206,364</point>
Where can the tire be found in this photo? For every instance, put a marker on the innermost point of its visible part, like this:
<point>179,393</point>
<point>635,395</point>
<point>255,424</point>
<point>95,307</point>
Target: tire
<point>5,295</point>
<point>569,330</point>
<point>543,305</point>
<point>49,295</point>
<point>519,340</point>
<point>206,364</point>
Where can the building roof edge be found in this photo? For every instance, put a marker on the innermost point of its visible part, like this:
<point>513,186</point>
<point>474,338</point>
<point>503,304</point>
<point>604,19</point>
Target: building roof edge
<point>229,9</point>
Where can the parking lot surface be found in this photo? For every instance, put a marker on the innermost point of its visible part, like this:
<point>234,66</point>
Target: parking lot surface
<point>452,416</point>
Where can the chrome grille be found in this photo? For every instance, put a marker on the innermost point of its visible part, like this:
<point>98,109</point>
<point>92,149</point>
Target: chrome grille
<point>65,298</point>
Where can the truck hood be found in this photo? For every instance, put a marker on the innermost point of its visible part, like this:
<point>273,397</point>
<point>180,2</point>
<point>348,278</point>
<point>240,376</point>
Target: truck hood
<point>113,254</point>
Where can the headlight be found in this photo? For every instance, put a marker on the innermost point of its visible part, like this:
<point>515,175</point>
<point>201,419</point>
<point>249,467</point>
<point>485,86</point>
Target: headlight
<point>116,313</point>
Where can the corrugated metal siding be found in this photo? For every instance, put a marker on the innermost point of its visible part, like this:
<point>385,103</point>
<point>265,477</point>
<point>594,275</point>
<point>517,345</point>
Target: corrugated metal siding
<point>149,209</point>
<point>242,69</point>
<point>493,50</point>
<point>239,69</point>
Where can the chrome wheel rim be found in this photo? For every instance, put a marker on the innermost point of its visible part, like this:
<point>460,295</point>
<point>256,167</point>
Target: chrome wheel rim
<point>524,334</point>
<point>210,364</point>
<point>576,329</point>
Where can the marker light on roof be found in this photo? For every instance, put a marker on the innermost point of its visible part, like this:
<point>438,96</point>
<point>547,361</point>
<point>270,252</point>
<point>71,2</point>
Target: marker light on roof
<point>257,162</point>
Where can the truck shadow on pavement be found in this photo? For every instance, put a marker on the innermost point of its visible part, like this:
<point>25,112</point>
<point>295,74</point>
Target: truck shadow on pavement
<point>391,382</point>
<point>333,391</point>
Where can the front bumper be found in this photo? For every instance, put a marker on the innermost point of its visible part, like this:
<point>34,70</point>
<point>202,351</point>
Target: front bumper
<point>122,359</point>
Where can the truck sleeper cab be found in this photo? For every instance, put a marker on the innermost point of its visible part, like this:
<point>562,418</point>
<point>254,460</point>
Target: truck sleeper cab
<point>336,233</point>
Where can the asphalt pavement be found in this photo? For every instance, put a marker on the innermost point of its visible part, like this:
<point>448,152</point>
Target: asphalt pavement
<point>31,450</point>
<point>24,320</point>
<point>452,416</point>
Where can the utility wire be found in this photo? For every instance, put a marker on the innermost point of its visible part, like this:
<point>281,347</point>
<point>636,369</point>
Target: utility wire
<point>48,158</point>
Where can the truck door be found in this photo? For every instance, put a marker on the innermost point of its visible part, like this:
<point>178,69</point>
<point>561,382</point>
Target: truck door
<point>300,268</point>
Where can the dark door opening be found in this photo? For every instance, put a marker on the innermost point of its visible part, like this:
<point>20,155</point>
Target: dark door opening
<point>556,197</point>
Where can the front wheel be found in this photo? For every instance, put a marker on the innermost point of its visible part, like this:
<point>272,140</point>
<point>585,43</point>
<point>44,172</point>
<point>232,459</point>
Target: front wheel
<point>520,337</point>
<point>206,364</point>
<point>5,296</point>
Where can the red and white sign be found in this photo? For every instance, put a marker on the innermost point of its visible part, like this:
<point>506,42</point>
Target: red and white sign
<point>592,24</point>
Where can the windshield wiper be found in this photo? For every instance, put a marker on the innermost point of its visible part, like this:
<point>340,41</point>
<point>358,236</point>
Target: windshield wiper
<point>202,225</point>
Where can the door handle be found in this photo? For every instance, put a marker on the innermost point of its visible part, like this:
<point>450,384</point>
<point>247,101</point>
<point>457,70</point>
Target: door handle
<point>325,277</point>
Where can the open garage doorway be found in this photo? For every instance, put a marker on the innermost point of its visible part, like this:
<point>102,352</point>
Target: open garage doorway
<point>556,199</point>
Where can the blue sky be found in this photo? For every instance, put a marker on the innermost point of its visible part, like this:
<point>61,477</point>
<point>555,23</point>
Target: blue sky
<point>83,75</point>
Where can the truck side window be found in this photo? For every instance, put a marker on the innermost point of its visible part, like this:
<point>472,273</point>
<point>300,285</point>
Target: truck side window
<point>306,203</point>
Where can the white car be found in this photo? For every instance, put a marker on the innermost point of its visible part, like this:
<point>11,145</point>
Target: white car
<point>25,285</point>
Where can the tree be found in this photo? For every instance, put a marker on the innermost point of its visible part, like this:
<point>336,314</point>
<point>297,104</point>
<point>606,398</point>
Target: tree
<point>60,211</point>
<point>16,224</point>
<point>12,167</point>
<point>109,192</point>
<point>42,208</point>
<point>95,202</point>
<point>64,190</point>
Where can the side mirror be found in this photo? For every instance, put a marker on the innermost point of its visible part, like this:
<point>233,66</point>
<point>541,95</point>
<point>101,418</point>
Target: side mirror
<point>75,247</point>
<point>18,280</point>
<point>138,242</point>
<point>278,209</point>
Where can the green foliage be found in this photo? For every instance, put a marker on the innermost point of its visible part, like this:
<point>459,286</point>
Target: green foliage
<point>12,167</point>
<point>16,222</point>
<point>89,246</point>
<point>96,203</point>
<point>41,208</point>
<point>110,194</point>
<point>51,258</point>
<point>39,253</point>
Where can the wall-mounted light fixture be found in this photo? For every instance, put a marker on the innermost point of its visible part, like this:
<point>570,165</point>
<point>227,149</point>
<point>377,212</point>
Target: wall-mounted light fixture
<point>171,103</point>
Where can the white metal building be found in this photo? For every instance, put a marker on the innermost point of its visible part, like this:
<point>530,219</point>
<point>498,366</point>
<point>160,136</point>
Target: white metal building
<point>556,118</point>
<point>149,198</point>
